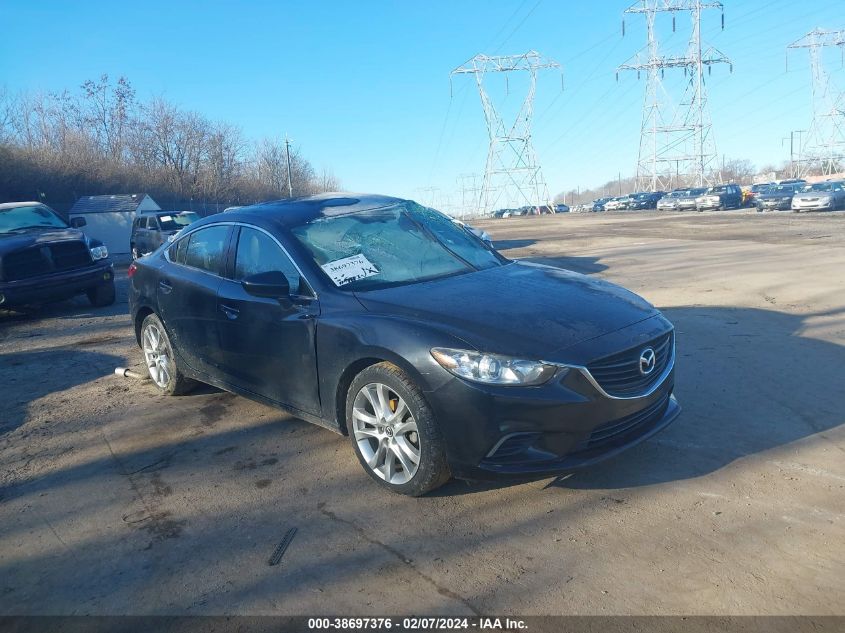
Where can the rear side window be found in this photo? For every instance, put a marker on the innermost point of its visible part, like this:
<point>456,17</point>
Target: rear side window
<point>176,252</point>
<point>258,253</point>
<point>204,249</point>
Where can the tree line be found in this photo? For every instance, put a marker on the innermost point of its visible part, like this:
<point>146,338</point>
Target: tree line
<point>101,139</point>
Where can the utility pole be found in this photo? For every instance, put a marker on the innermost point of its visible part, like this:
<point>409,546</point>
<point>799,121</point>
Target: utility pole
<point>675,136</point>
<point>287,153</point>
<point>824,145</point>
<point>512,176</point>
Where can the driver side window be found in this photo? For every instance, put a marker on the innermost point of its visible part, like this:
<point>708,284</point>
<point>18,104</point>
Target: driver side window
<point>258,253</point>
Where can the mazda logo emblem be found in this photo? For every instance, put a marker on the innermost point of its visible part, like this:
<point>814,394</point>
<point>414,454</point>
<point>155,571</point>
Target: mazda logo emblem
<point>648,359</point>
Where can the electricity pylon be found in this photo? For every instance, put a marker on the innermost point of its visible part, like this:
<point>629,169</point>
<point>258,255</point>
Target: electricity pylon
<point>823,146</point>
<point>676,142</point>
<point>470,188</point>
<point>512,176</point>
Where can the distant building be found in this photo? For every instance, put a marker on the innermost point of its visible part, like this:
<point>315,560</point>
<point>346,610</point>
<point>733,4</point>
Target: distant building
<point>109,218</point>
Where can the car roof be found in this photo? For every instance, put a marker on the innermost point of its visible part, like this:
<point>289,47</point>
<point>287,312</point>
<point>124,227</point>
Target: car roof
<point>298,210</point>
<point>12,205</point>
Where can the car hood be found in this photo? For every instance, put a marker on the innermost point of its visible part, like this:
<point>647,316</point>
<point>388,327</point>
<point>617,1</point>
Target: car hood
<point>18,241</point>
<point>808,195</point>
<point>520,309</point>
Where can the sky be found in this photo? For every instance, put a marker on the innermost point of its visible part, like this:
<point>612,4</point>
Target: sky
<point>363,87</point>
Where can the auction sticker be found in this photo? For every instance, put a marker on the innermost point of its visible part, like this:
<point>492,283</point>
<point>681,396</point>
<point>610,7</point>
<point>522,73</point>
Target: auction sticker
<point>349,269</point>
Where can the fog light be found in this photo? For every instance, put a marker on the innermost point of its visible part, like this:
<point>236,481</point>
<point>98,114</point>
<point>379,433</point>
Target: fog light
<point>106,276</point>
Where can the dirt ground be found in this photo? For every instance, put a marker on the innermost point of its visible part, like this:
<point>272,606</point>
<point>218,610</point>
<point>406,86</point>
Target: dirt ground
<point>115,500</point>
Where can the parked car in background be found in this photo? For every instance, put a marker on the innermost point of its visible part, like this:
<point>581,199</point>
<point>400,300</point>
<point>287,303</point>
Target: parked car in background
<point>686,201</point>
<point>366,315</point>
<point>619,203</point>
<point>669,202</point>
<point>598,203</point>
<point>720,197</point>
<point>44,259</point>
<point>644,200</point>
<point>775,197</point>
<point>562,208</point>
<point>151,230</point>
<point>755,190</point>
<point>821,196</point>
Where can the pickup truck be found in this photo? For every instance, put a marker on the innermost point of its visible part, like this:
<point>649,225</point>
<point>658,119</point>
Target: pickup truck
<point>44,259</point>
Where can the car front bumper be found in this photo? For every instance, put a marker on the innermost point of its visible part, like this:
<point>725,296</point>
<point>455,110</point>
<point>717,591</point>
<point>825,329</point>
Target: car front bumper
<point>703,205</point>
<point>523,432</point>
<point>55,286</point>
<point>774,205</point>
<point>815,205</point>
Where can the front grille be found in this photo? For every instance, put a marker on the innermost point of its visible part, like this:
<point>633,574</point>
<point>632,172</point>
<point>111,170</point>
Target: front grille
<point>608,432</point>
<point>42,260</point>
<point>619,375</point>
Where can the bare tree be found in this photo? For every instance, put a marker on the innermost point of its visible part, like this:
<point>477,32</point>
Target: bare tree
<point>101,140</point>
<point>107,109</point>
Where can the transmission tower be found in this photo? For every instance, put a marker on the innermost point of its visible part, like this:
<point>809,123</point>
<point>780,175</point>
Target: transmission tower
<point>676,141</point>
<point>470,188</point>
<point>823,146</point>
<point>512,176</point>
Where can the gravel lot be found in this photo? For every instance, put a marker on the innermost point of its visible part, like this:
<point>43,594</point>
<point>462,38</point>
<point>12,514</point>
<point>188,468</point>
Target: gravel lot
<point>116,500</point>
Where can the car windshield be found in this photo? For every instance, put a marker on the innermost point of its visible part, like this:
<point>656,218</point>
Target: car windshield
<point>717,190</point>
<point>780,189</point>
<point>820,186</point>
<point>396,245</point>
<point>176,221</point>
<point>31,217</point>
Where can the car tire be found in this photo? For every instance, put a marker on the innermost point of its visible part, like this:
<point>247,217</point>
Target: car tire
<point>390,425</point>
<point>160,360</point>
<point>102,295</point>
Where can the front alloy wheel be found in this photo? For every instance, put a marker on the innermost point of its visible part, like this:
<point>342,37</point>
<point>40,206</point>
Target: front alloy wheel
<point>396,438</point>
<point>386,433</point>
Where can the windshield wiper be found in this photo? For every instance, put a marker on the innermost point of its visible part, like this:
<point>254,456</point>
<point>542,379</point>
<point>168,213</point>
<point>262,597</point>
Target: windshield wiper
<point>434,237</point>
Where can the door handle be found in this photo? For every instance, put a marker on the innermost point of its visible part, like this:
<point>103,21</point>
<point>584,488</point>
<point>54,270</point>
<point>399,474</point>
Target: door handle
<point>165,286</point>
<point>230,312</point>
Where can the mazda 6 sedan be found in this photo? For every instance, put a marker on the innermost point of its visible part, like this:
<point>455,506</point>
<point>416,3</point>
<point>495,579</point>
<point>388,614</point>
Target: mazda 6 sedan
<point>383,320</point>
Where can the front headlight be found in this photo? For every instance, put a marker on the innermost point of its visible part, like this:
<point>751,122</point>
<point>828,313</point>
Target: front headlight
<point>99,252</point>
<point>493,369</point>
<point>824,199</point>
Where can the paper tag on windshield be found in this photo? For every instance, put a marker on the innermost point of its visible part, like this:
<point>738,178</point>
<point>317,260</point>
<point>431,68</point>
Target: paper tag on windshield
<point>349,269</point>
<point>165,218</point>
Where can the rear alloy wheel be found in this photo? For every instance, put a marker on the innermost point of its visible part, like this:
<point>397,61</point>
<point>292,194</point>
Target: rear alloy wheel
<point>394,432</point>
<point>160,360</point>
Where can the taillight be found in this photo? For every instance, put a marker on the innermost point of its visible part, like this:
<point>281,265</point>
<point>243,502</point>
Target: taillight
<point>130,272</point>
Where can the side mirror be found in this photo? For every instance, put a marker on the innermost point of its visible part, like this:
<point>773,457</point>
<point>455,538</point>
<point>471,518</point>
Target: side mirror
<point>272,284</point>
<point>78,222</point>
